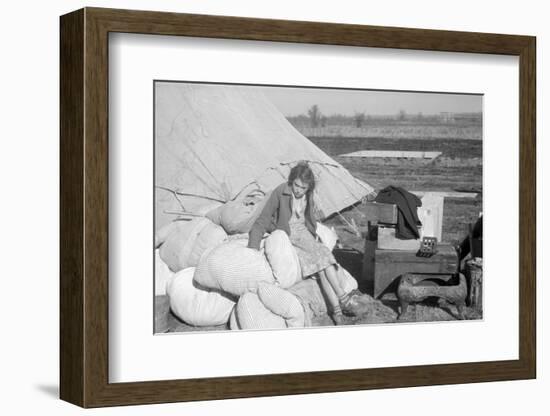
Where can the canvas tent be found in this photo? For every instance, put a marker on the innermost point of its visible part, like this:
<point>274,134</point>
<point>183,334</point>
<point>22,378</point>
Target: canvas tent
<point>214,143</point>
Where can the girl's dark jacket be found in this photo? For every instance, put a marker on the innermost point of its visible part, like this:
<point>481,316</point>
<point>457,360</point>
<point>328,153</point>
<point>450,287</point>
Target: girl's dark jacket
<point>276,215</point>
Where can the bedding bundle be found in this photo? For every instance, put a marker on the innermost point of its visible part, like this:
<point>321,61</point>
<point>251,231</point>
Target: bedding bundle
<point>213,279</point>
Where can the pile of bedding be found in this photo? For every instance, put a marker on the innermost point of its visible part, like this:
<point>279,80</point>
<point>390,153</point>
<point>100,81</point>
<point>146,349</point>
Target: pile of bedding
<point>212,278</point>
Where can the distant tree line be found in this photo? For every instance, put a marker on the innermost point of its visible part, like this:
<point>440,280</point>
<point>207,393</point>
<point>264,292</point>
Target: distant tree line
<point>315,118</point>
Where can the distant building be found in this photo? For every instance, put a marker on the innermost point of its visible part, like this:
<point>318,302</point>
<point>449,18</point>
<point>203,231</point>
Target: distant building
<point>447,117</point>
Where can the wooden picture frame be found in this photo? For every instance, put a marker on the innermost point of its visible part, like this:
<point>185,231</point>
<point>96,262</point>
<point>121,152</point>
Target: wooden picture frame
<point>84,207</point>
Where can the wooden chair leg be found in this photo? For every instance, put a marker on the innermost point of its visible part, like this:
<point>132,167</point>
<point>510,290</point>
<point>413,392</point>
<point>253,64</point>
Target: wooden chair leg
<point>404,305</point>
<point>460,308</point>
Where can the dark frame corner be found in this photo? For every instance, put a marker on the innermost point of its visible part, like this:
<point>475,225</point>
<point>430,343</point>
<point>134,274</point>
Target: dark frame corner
<point>84,207</point>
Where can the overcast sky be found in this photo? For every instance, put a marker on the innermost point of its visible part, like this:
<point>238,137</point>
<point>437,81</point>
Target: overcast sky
<point>295,101</point>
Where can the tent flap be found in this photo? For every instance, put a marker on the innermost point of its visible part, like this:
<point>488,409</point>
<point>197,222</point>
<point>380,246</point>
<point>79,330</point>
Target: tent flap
<point>213,143</point>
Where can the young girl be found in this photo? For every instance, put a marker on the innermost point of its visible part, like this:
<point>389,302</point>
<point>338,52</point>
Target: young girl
<point>290,208</point>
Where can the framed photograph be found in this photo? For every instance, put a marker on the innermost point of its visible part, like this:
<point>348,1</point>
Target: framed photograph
<point>256,207</point>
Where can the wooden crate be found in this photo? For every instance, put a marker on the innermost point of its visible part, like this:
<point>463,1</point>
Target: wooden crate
<point>378,212</point>
<point>382,268</point>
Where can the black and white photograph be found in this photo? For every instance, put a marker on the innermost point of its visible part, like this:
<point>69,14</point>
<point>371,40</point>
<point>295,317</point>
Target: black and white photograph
<point>294,207</point>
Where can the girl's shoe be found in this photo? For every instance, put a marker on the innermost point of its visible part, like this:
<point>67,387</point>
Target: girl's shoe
<point>338,318</point>
<point>354,304</point>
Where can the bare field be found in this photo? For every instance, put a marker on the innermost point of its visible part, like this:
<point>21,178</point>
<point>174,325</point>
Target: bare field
<point>452,147</point>
<point>398,130</point>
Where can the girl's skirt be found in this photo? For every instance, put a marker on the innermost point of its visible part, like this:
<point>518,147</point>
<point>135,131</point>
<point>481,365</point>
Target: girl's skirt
<point>314,256</point>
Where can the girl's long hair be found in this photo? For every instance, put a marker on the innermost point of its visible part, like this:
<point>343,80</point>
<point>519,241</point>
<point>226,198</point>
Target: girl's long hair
<point>303,172</point>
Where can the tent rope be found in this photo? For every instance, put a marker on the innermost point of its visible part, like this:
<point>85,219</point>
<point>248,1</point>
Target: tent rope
<point>192,195</point>
<point>183,213</point>
<point>351,225</point>
<point>175,195</point>
<point>258,189</point>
